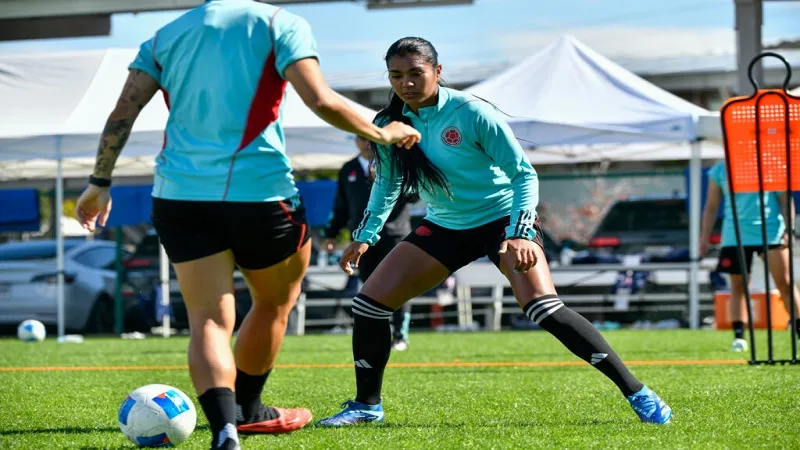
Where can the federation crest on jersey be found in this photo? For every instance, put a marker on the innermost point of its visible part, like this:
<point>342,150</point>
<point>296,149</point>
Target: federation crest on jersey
<point>451,136</point>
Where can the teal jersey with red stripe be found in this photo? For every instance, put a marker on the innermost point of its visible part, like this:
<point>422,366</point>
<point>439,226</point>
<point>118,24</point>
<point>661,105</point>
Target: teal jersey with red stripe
<point>221,68</point>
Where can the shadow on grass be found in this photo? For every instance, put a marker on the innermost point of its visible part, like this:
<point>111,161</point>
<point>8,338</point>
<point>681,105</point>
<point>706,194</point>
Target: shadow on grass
<point>65,430</point>
<point>74,430</point>
<point>461,425</point>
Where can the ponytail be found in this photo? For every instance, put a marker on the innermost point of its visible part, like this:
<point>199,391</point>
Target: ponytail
<point>417,173</point>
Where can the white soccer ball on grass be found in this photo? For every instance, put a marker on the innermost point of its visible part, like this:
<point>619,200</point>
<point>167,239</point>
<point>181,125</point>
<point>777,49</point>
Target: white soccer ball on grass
<point>157,415</point>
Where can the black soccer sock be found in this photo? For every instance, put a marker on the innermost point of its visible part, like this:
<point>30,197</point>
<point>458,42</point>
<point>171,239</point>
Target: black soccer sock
<point>582,339</point>
<point>248,398</point>
<point>738,329</point>
<point>372,344</point>
<point>219,406</point>
<point>797,327</point>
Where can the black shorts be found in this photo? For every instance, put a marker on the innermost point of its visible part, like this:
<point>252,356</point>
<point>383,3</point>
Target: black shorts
<point>369,261</point>
<point>457,248</point>
<point>729,257</point>
<point>260,234</point>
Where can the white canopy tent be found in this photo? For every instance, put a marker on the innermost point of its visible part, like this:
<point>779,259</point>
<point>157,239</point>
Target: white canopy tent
<point>54,107</point>
<point>569,95</point>
<point>568,103</point>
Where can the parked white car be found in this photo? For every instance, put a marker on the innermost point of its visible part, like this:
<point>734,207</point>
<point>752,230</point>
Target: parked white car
<point>28,284</point>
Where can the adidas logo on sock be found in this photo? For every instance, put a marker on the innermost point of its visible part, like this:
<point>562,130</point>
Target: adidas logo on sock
<point>597,357</point>
<point>363,364</point>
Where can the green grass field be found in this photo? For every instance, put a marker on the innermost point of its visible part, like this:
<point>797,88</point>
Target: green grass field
<point>462,405</point>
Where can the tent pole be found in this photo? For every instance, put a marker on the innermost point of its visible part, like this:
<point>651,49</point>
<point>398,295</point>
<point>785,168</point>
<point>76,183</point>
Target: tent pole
<point>164,271</point>
<point>695,179</point>
<point>118,304</point>
<point>59,239</point>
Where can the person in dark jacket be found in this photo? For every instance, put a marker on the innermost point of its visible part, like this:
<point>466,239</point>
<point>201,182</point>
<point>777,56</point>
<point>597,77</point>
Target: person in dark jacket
<point>352,194</point>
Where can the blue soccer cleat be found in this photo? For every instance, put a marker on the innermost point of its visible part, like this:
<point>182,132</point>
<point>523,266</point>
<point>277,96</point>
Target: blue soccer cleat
<point>354,413</point>
<point>650,407</point>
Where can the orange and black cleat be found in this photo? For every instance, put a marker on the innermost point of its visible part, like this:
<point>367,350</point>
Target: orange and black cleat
<point>288,421</point>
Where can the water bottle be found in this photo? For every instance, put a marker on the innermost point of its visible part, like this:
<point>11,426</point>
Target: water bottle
<point>70,339</point>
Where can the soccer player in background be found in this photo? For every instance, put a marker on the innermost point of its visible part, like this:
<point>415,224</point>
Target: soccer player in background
<point>748,208</point>
<point>224,194</point>
<point>352,194</point>
<point>482,195</point>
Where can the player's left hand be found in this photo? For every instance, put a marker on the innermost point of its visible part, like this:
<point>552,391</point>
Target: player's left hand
<point>93,207</point>
<point>523,251</point>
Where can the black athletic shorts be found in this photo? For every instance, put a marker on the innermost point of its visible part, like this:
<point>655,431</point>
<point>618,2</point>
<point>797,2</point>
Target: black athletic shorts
<point>260,234</point>
<point>457,248</point>
<point>729,257</point>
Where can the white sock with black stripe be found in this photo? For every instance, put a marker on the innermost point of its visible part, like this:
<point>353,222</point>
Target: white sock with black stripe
<point>372,344</point>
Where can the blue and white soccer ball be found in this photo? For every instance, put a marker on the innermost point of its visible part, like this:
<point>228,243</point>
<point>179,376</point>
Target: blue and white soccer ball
<point>31,331</point>
<point>157,415</point>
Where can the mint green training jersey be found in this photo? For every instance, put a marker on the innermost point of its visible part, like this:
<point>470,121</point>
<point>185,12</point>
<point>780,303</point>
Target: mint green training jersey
<point>489,174</point>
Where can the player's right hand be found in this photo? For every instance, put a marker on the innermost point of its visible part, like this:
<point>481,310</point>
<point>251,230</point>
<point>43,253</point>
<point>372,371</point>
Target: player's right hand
<point>400,134</point>
<point>93,207</point>
<point>352,255</point>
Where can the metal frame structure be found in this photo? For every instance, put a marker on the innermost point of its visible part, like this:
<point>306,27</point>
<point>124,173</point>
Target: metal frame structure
<point>47,19</point>
<point>30,9</point>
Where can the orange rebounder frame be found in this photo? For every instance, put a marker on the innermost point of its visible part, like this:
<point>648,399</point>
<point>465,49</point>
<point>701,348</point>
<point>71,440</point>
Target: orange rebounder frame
<point>761,133</point>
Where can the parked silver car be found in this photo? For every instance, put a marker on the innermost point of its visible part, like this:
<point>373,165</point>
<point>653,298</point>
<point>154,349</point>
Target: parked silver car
<point>28,284</point>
